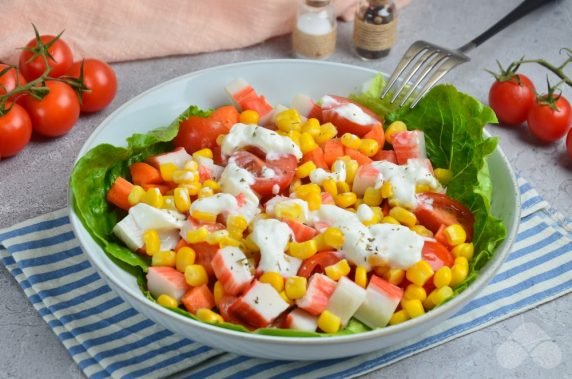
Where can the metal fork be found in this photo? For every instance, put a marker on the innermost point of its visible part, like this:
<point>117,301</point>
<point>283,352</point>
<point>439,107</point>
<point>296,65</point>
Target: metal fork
<point>426,62</point>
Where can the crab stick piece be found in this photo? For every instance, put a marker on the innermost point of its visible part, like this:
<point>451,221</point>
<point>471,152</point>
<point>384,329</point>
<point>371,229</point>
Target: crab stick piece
<point>166,280</point>
<point>320,288</point>
<point>178,157</point>
<point>232,270</point>
<point>382,298</point>
<point>346,299</point>
<point>301,320</point>
<point>259,306</point>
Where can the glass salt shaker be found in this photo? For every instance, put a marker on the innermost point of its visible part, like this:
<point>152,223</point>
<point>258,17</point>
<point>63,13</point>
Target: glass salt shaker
<point>375,28</point>
<point>314,35</point>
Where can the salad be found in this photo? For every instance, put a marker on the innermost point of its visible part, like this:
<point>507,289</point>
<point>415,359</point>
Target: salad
<point>328,216</point>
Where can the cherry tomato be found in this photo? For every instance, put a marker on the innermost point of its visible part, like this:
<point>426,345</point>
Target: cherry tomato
<point>281,171</point>
<point>15,131</point>
<point>56,113</point>
<point>196,133</point>
<point>347,121</point>
<point>34,68</point>
<point>10,79</point>
<point>547,124</point>
<point>437,255</point>
<point>100,78</point>
<point>436,209</point>
<point>318,262</point>
<point>512,99</point>
<point>569,143</point>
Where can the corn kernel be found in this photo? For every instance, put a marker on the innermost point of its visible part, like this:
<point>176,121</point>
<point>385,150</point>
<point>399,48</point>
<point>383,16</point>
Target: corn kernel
<point>381,270</point>
<point>466,250</point>
<point>285,298</point>
<point>288,119</point>
<point>237,223</point>
<point>442,277</point>
<point>303,191</point>
<point>462,261</point>
<point>394,276</point>
<point>249,116</point>
<point>419,273</point>
<point>398,317</point>
<point>203,216</point>
<point>217,236</point>
<point>455,234</point>
<point>327,132</point>
<point>350,140</point>
<point>414,291</point>
<point>343,187</point>
<point>351,169</point>
<point>372,197</point>
<point>191,166</point>
<point>304,170</point>
<point>169,203</point>
<point>419,188</point>
<point>194,188</point>
<point>369,147</point>
<point>151,241</point>
<point>329,322</point>
<point>197,235</point>
<point>330,186</point>
<point>196,275</point>
<point>303,250</point>
<point>182,199</point>
<point>386,190</point>
<point>307,143</point>
<point>218,292</point>
<point>361,276</point>
<point>135,195</point>
<point>389,220</point>
<point>205,192</point>
<point>333,237</point>
<point>295,287</point>
<point>167,170</point>
<point>165,258</point>
<point>292,211</point>
<point>404,216</point>
<point>185,257</point>
<point>213,185</point>
<point>294,135</point>
<point>422,231</point>
<point>459,273</point>
<point>320,244</point>
<point>274,279</point>
<point>440,295</point>
<point>393,128</point>
<point>209,316</point>
<point>443,175</point>
<point>345,200</point>
<point>167,301</point>
<point>337,270</point>
<point>428,303</point>
<point>153,198</point>
<point>314,201</point>
<point>312,127</point>
<point>294,185</point>
<point>413,307</point>
<point>184,177</point>
<point>249,244</point>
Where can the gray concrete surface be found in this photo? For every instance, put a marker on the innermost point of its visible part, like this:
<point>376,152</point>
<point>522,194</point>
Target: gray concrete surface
<point>35,181</point>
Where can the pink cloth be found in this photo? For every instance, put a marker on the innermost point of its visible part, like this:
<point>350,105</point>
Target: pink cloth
<point>121,30</point>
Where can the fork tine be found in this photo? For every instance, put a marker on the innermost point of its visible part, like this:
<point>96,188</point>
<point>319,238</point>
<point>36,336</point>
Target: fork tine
<point>410,54</point>
<point>436,61</point>
<point>438,74</point>
<point>418,64</point>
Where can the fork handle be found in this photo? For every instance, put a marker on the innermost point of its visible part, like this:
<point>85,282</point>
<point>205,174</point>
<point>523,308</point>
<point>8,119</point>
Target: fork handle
<point>523,9</point>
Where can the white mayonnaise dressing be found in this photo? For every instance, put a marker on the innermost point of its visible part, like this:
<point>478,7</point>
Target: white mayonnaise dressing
<point>242,135</point>
<point>364,212</point>
<point>349,111</point>
<point>267,172</point>
<point>272,237</point>
<point>216,204</point>
<point>404,179</point>
<point>338,174</point>
<point>271,204</point>
<point>394,244</point>
<point>236,180</point>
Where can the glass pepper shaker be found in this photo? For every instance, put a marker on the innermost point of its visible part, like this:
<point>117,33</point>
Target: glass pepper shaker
<point>375,28</point>
<point>314,34</point>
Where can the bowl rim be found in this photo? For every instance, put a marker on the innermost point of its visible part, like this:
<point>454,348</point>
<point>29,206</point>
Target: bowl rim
<point>484,277</point>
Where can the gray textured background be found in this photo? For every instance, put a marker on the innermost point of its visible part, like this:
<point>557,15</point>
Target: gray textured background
<point>35,181</point>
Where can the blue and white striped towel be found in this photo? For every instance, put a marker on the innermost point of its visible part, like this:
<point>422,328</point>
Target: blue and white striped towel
<point>108,338</point>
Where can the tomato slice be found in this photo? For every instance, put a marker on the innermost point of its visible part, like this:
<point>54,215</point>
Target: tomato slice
<point>197,133</point>
<point>349,116</point>
<point>437,255</point>
<point>436,209</point>
<point>318,262</point>
<point>267,173</point>
<point>302,232</point>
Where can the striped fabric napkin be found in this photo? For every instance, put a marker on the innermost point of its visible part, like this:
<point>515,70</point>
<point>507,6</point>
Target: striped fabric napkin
<point>108,338</point>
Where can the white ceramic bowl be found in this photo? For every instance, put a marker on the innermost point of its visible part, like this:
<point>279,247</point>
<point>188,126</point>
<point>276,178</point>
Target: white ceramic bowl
<point>279,81</point>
